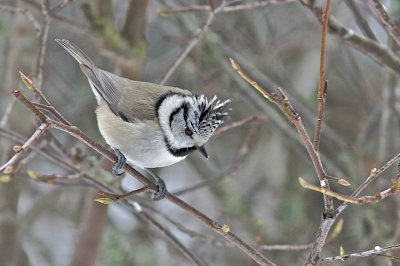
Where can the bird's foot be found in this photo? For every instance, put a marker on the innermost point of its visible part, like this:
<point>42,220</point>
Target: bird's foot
<point>119,164</point>
<point>162,187</point>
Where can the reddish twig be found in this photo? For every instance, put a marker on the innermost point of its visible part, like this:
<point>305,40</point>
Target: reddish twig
<point>323,84</point>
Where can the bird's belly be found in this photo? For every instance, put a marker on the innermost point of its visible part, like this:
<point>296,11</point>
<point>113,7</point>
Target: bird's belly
<point>142,143</point>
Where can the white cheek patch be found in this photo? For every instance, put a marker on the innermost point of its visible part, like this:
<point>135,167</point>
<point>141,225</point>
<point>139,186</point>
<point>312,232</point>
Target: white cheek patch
<point>169,105</point>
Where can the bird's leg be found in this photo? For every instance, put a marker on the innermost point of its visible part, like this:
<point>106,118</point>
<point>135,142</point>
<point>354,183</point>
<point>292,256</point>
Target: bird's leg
<point>162,187</point>
<point>119,164</point>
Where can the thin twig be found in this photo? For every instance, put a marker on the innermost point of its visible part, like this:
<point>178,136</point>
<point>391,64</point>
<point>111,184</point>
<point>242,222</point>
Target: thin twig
<point>42,43</point>
<point>7,112</point>
<point>227,9</point>
<point>117,197</point>
<point>386,21</point>
<point>195,40</point>
<point>373,252</point>
<point>60,6</point>
<point>360,20</point>
<point>7,168</point>
<point>323,84</point>
<point>26,13</point>
<point>371,178</point>
<point>71,24</point>
<point>255,118</point>
<point>170,236</point>
<point>243,151</point>
<point>376,51</point>
<point>285,247</point>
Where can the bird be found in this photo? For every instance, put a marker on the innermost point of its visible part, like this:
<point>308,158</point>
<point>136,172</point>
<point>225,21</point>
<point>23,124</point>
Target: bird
<point>147,124</point>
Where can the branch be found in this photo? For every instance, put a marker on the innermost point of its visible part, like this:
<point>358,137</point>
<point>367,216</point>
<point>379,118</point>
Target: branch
<point>227,9</point>
<point>256,118</point>
<point>42,39</point>
<point>369,253</point>
<point>26,13</point>
<point>243,151</point>
<point>281,100</point>
<point>371,178</point>
<point>195,40</point>
<point>360,20</point>
<point>376,51</point>
<point>386,21</point>
<point>8,167</point>
<point>323,84</point>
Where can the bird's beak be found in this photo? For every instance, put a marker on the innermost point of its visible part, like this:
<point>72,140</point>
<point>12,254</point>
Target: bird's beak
<point>203,151</point>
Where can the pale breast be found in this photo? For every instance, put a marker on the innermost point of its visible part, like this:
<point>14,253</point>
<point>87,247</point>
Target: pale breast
<point>142,143</point>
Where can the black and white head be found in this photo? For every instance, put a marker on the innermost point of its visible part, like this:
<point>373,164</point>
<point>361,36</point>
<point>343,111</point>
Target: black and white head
<point>189,121</point>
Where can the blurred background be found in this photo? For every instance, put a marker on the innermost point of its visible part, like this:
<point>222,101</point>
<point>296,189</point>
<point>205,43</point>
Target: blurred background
<point>252,174</point>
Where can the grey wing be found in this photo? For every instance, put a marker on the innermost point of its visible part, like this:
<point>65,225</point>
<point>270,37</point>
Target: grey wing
<point>128,99</point>
<point>104,83</point>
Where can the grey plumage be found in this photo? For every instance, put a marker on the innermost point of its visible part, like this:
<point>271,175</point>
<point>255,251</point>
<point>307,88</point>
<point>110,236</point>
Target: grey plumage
<point>152,125</point>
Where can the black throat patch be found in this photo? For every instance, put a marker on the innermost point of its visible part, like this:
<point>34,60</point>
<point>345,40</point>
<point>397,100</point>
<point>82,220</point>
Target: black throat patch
<point>181,152</point>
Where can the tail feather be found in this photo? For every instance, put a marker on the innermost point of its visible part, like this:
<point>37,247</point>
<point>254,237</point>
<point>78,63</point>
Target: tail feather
<point>76,52</point>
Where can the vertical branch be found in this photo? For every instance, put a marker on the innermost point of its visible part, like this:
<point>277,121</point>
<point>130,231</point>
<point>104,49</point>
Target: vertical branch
<point>198,36</point>
<point>321,95</point>
<point>42,43</point>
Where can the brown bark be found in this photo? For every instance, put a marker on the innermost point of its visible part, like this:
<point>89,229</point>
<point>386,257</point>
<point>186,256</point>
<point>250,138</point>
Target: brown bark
<point>135,22</point>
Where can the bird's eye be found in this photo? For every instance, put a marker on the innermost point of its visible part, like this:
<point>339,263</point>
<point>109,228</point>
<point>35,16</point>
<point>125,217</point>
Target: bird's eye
<point>188,131</point>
